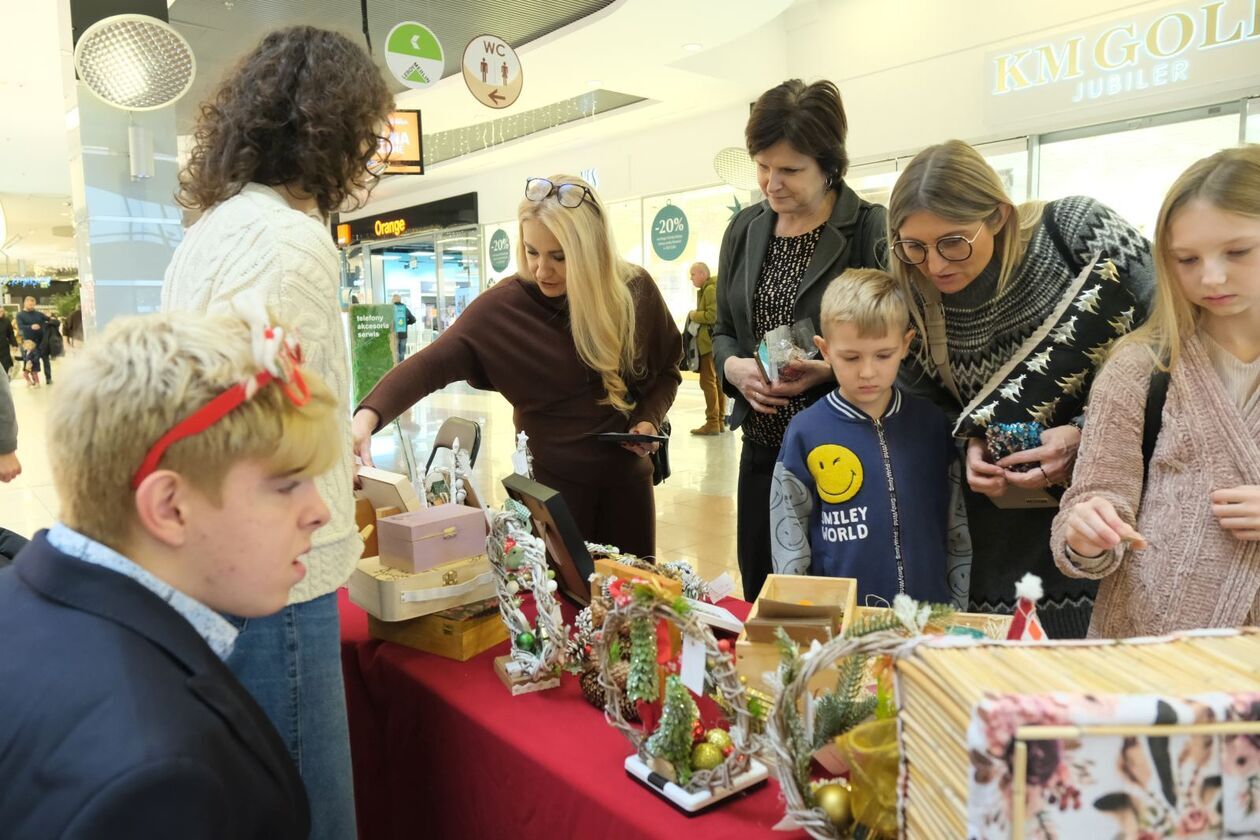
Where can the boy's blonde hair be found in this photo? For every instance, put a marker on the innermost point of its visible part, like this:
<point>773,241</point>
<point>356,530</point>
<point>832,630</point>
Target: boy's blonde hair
<point>1228,180</point>
<point>601,307</point>
<point>870,299</point>
<point>145,374</point>
<point>28,344</point>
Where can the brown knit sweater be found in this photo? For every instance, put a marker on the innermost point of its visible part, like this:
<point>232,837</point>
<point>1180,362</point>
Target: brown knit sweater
<point>1194,573</point>
<point>515,340</point>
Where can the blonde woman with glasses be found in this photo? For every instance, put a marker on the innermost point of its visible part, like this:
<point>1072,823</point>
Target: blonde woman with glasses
<point>1015,307</point>
<point>580,343</point>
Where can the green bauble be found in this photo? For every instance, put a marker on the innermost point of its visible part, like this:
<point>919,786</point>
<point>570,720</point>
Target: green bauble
<point>526,641</point>
<point>705,756</point>
<point>515,557</point>
<point>719,738</point>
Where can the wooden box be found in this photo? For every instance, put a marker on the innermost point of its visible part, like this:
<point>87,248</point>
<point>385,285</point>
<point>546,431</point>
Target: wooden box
<point>977,625</point>
<point>393,595</point>
<point>387,489</point>
<point>458,633</point>
<point>422,539</point>
<point>607,567</point>
<point>808,608</point>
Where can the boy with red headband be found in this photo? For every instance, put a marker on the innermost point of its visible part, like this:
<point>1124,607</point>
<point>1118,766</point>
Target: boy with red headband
<point>184,450</point>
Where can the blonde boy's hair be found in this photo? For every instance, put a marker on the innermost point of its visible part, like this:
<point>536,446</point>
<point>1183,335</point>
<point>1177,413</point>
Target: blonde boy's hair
<point>601,307</point>
<point>145,374</point>
<point>870,299</point>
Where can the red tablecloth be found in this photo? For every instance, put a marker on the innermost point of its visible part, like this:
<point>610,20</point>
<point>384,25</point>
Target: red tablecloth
<point>441,749</point>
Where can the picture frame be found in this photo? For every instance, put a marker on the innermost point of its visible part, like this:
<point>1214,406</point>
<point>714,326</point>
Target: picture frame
<point>554,525</point>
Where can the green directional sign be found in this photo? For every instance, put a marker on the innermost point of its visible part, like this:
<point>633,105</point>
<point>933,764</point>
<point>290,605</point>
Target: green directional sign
<point>371,348</point>
<point>414,55</point>
<point>670,232</point>
<point>500,250</point>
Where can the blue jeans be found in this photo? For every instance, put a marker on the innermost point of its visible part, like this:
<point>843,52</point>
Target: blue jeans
<point>402,345</point>
<point>291,663</point>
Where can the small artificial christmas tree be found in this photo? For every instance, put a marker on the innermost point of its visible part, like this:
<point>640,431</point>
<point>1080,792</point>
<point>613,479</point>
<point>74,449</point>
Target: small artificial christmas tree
<point>673,737</point>
<point>642,682</point>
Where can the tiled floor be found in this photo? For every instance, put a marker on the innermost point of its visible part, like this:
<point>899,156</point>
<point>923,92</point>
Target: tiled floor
<point>695,507</point>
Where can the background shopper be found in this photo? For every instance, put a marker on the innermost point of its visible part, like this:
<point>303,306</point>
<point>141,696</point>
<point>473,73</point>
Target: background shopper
<point>579,342</point>
<point>1015,308</point>
<point>1181,549</point>
<point>776,260</point>
<point>705,316</point>
<point>33,326</point>
<point>8,340</point>
<point>285,141</point>
<point>402,319</point>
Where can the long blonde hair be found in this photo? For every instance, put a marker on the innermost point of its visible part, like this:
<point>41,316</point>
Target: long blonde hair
<point>1228,180</point>
<point>601,308</point>
<point>952,180</point>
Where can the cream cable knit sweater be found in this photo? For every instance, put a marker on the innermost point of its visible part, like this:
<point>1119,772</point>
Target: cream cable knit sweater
<point>256,241</point>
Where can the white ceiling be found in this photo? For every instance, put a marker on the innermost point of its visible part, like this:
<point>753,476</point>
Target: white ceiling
<point>634,47</point>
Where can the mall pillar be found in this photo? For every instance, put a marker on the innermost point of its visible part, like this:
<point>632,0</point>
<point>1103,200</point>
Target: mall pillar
<point>126,229</point>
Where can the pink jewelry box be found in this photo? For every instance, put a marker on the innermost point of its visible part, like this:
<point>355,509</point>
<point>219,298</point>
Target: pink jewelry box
<point>421,539</point>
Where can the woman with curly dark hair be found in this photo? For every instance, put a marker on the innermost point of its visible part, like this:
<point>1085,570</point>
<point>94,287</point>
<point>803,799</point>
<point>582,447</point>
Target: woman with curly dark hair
<point>287,139</point>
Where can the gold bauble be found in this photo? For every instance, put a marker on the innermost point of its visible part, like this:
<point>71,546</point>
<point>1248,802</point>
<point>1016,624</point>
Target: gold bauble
<point>705,756</point>
<point>719,738</point>
<point>834,800</point>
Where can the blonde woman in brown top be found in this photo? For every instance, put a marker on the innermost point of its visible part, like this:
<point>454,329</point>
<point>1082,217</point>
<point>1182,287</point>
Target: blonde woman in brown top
<point>579,343</point>
<point>1182,549</point>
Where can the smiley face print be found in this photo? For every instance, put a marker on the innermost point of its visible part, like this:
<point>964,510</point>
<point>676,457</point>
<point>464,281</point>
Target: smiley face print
<point>837,472</point>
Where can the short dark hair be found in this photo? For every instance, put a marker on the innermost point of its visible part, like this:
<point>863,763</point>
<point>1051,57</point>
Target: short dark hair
<point>810,117</point>
<point>303,108</point>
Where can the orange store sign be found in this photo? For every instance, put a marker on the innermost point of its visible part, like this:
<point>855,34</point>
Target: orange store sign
<point>389,227</point>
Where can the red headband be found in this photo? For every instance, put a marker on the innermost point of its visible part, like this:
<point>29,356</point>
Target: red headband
<point>287,360</point>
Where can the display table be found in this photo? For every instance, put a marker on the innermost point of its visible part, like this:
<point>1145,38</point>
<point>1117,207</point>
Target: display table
<point>441,749</point>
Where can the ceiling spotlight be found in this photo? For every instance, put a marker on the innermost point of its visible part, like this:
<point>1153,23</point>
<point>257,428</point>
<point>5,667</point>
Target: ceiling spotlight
<point>693,47</point>
<point>135,62</point>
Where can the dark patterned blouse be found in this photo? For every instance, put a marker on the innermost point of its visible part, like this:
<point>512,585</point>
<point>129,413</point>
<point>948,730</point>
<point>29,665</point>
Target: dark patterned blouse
<point>781,273</point>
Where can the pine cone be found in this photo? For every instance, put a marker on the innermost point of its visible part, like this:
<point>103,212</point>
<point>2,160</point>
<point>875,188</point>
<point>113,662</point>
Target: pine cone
<point>594,692</point>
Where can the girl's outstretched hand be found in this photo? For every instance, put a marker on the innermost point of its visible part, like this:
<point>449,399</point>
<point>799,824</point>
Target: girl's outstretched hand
<point>1094,527</point>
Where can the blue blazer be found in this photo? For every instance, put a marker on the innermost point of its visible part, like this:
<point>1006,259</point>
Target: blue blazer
<point>118,720</point>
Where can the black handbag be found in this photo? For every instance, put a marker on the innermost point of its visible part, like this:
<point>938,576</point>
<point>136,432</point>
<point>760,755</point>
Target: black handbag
<point>660,458</point>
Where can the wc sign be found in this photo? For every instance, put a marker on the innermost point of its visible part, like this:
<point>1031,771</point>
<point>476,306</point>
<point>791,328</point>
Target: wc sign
<point>492,71</point>
<point>1197,46</point>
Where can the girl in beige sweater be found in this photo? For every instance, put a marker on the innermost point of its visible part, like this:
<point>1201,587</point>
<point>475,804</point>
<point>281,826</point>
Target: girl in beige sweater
<point>1183,551</point>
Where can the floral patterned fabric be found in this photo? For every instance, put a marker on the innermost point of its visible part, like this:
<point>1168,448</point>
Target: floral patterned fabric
<point>1136,788</point>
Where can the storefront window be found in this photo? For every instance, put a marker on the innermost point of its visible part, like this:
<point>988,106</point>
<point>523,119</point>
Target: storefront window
<point>1252,128</point>
<point>874,181</point>
<point>668,256</point>
<point>1009,158</point>
<point>1131,170</point>
<point>626,220</point>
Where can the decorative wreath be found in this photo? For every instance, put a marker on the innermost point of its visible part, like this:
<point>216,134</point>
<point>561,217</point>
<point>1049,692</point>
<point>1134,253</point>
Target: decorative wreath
<point>519,560</point>
<point>785,731</point>
<point>640,606</point>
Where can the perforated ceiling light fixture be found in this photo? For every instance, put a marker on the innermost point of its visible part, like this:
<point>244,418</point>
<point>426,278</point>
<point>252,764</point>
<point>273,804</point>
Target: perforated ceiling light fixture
<point>735,167</point>
<point>135,62</point>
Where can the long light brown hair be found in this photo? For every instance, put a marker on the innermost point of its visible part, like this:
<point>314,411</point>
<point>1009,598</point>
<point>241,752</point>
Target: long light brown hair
<point>954,181</point>
<point>1228,180</point>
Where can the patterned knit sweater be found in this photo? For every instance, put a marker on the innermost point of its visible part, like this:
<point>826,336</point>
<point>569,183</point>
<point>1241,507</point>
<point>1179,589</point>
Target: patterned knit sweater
<point>256,241</point>
<point>1030,352</point>
<point>987,329</point>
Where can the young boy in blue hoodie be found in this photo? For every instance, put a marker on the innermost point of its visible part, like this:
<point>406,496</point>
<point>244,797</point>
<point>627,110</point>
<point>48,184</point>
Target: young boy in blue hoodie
<point>861,487</point>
